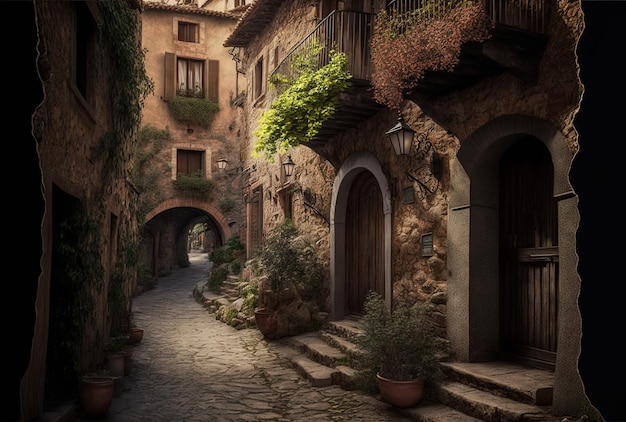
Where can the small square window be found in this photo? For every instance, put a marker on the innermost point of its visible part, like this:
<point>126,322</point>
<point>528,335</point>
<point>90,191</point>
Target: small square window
<point>188,32</point>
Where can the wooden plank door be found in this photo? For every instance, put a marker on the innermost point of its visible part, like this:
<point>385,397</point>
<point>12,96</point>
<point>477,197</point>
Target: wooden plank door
<point>529,257</point>
<point>364,243</point>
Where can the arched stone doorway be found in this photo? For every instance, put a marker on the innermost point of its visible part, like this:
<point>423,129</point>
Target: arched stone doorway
<point>359,174</point>
<point>474,261</point>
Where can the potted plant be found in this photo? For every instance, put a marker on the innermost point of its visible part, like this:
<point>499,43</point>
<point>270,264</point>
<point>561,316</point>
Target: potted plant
<point>290,278</point>
<point>115,353</point>
<point>400,350</point>
<point>96,391</point>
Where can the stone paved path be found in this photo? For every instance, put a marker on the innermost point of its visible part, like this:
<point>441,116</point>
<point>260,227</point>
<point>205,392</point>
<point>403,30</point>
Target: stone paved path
<point>191,367</point>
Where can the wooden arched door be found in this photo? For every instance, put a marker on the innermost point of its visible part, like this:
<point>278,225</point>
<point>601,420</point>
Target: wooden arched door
<point>364,243</point>
<point>529,255</point>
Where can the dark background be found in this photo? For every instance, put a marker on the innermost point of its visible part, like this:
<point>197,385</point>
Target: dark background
<point>597,175</point>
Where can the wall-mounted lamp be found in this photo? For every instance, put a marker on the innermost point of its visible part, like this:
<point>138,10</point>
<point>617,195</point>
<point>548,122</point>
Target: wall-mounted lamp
<point>401,137</point>
<point>222,163</point>
<point>288,166</point>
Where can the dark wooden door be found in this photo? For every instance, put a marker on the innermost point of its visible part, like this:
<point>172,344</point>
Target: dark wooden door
<point>364,243</point>
<point>528,255</point>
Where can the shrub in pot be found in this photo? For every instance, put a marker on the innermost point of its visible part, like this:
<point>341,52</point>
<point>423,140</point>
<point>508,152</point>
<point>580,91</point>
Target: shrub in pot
<point>399,347</point>
<point>290,281</point>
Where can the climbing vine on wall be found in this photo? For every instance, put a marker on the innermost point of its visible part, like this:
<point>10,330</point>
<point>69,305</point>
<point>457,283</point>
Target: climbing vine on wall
<point>405,46</point>
<point>129,82</point>
<point>298,113</point>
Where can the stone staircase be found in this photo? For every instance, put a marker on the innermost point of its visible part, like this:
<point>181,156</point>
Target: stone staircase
<point>489,391</point>
<point>467,392</point>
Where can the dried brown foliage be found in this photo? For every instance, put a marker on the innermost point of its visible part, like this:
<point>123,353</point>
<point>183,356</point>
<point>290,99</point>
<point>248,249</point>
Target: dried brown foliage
<point>402,52</point>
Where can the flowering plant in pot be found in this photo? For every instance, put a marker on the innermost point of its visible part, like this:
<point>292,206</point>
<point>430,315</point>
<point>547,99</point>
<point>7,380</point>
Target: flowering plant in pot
<point>399,347</point>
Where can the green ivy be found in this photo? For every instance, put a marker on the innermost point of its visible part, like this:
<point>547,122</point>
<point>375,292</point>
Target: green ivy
<point>130,84</point>
<point>148,167</point>
<point>298,113</point>
<point>193,110</point>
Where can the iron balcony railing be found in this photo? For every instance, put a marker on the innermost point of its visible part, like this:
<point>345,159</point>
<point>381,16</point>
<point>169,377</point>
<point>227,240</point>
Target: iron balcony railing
<point>342,31</point>
<point>528,15</point>
<point>350,32</point>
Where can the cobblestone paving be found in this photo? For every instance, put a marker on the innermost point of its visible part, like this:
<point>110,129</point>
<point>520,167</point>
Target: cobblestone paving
<point>191,367</point>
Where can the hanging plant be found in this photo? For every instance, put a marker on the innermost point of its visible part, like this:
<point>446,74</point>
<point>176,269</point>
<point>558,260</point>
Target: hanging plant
<point>405,46</point>
<point>298,113</point>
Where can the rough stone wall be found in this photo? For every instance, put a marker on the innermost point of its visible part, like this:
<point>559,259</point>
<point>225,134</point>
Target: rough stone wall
<point>553,96</point>
<point>449,120</point>
<point>293,22</point>
<point>75,158</point>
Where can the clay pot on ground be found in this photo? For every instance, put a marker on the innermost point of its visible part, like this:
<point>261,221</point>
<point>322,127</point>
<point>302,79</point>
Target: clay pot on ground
<point>96,394</point>
<point>136,335</point>
<point>401,393</point>
<point>115,363</point>
<point>265,321</point>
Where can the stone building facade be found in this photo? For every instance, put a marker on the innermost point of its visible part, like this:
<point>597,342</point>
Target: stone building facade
<point>82,132</point>
<point>178,37</point>
<point>437,240</point>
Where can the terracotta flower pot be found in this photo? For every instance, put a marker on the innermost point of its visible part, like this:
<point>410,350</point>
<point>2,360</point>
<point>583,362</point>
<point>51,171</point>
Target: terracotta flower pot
<point>265,321</point>
<point>401,393</point>
<point>136,335</point>
<point>115,363</point>
<point>96,394</point>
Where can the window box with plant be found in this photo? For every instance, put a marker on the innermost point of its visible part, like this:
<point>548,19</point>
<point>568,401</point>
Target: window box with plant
<point>193,109</point>
<point>193,185</point>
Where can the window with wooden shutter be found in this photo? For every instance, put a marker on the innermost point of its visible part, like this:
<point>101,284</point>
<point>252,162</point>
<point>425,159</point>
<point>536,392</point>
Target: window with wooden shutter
<point>189,32</point>
<point>258,78</point>
<point>189,162</point>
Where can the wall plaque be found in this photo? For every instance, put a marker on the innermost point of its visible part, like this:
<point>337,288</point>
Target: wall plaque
<point>427,244</point>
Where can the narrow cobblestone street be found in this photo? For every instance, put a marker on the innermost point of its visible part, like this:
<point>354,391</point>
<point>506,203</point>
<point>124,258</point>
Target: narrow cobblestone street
<point>191,367</point>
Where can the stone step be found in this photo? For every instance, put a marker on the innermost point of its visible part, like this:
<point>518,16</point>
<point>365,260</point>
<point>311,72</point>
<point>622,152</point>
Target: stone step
<point>313,346</point>
<point>523,384</point>
<point>429,411</point>
<point>486,405</point>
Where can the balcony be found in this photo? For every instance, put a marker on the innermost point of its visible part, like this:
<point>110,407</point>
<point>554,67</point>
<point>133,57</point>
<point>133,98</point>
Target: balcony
<point>516,46</point>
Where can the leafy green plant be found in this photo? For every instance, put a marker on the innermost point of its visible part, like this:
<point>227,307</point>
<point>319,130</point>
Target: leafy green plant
<point>298,113</point>
<point>226,259</point>
<point>404,47</point>
<point>398,343</point>
<point>194,185</point>
<point>193,110</point>
<point>117,343</point>
<point>226,204</point>
<point>289,260</point>
<point>148,167</point>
